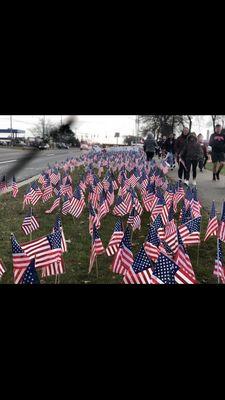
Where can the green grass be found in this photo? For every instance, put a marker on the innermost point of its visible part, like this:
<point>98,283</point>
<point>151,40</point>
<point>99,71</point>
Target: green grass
<point>77,258</point>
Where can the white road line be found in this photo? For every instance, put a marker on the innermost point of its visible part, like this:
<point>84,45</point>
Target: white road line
<point>6,162</point>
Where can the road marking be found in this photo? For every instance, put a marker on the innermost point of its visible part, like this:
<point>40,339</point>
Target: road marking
<point>6,162</point>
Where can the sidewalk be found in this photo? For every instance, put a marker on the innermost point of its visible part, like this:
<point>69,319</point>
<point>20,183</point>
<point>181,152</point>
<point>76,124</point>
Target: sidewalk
<point>208,190</point>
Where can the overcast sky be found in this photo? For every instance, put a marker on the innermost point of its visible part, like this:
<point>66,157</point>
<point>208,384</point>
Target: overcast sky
<point>97,127</point>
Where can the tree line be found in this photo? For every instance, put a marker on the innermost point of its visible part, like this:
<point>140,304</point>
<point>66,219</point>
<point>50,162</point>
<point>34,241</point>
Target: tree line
<point>164,125</point>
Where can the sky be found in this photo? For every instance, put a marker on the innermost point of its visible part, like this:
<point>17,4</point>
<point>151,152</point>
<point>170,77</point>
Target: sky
<point>99,128</point>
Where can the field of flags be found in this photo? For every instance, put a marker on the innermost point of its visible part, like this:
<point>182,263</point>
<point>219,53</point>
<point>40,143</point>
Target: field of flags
<point>122,186</point>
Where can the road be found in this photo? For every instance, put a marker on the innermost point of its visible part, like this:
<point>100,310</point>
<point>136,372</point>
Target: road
<point>9,158</point>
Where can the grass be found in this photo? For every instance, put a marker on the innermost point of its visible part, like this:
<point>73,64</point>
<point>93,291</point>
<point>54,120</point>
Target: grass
<point>77,258</point>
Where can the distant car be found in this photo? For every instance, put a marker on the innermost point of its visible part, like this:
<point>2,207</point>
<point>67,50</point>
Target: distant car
<point>3,143</point>
<point>84,146</point>
<point>44,146</point>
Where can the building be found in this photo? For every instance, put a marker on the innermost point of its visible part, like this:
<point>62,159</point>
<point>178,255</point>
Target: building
<point>9,134</point>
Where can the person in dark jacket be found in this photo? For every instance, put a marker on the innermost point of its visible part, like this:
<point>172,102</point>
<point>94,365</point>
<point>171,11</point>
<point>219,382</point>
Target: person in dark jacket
<point>169,147</point>
<point>150,146</point>
<point>203,161</point>
<point>179,144</point>
<point>190,155</point>
<point>217,142</point>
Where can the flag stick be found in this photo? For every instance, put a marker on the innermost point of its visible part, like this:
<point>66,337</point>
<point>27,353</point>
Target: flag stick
<point>218,275</point>
<point>31,232</point>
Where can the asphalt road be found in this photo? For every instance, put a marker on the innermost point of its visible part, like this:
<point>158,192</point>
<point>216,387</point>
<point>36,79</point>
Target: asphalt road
<point>9,158</point>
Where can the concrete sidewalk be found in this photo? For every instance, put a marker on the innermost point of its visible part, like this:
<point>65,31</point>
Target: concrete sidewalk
<point>208,190</point>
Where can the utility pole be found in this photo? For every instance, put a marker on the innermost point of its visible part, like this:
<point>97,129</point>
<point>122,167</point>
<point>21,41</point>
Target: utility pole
<point>43,126</point>
<point>12,136</point>
<point>137,122</point>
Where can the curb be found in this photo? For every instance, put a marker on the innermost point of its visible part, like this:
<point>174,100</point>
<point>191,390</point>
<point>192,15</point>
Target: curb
<point>21,184</point>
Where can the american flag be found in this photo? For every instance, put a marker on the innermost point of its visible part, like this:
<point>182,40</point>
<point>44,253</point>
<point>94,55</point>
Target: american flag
<point>221,232</point>
<point>149,201</point>
<point>142,261</point>
<point>56,268</point>
<point>179,194</point>
<point>67,188</point>
<point>96,247</point>
<point>55,176</point>
<point>58,189</point>
<point>2,268</point>
<point>120,208</point>
<point>47,193</point>
<point>188,198</point>
<point>185,214</point>
<point>195,205</point>
<point>212,227</point>
<point>30,223</point>
<point>142,278</point>
<point>164,271</point>
<point>134,178</point>
<point>20,260</point>
<point>42,178</point>
<point>58,227</point>
<point>190,232</point>
<point>3,184</point>
<point>116,239</point>
<point>159,226</point>
<point>219,269</point>
<point>171,235</point>
<point>161,209</point>
<point>151,246</point>
<point>46,250</point>
<point>27,197</point>
<point>124,256</point>
<point>186,274</point>
<point>77,203</point>
<point>103,205</point>
<point>55,205</point>
<point>30,276</point>
<point>134,220</point>
<point>169,195</point>
<point>14,188</point>
<point>66,205</point>
<point>93,218</point>
<point>93,196</point>
<point>110,194</point>
<point>35,193</point>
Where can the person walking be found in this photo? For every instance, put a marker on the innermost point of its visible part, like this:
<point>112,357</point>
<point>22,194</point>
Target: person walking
<point>203,161</point>
<point>190,155</point>
<point>150,146</point>
<point>179,144</point>
<point>217,143</point>
<point>169,147</point>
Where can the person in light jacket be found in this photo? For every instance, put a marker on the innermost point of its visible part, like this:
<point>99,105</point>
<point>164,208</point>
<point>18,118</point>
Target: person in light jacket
<point>150,146</point>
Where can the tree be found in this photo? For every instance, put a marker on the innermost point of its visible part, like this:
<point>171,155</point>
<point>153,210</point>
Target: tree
<point>117,135</point>
<point>161,124</point>
<point>65,134</point>
<point>43,129</point>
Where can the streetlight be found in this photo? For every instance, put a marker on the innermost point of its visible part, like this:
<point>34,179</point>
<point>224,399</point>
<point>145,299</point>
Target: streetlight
<point>11,127</point>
